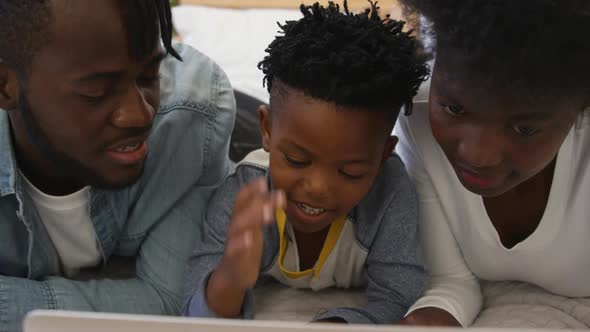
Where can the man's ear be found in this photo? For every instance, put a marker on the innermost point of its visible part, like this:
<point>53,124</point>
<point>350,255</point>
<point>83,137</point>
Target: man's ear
<point>264,122</point>
<point>9,88</point>
<point>389,147</point>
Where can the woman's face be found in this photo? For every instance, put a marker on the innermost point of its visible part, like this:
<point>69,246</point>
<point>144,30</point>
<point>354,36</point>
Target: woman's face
<point>496,140</point>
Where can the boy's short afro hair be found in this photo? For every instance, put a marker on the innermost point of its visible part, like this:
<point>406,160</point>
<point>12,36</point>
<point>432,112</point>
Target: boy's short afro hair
<point>357,60</point>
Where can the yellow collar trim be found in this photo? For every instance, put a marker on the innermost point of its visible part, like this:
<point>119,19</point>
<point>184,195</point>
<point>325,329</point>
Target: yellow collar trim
<point>331,239</point>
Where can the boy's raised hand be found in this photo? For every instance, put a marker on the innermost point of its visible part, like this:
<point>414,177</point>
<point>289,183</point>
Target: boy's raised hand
<point>254,208</point>
<point>239,268</point>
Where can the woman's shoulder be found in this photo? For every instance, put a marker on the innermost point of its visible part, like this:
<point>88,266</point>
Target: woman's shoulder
<point>417,146</point>
<point>576,151</point>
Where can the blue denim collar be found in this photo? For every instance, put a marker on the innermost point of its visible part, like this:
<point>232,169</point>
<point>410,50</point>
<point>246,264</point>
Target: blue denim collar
<point>7,161</point>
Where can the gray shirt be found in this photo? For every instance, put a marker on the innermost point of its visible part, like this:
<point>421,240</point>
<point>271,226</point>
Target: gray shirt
<point>377,248</point>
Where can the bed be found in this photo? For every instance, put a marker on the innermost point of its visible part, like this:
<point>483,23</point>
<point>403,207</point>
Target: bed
<point>234,33</point>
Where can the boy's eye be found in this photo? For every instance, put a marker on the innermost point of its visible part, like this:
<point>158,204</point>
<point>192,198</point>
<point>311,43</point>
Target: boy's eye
<point>525,131</point>
<point>295,162</point>
<point>453,110</point>
<point>351,175</point>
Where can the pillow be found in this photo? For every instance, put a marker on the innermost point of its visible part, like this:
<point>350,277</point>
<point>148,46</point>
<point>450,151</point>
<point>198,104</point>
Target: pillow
<point>234,38</point>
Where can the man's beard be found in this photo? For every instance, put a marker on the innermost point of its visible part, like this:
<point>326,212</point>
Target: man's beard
<point>66,166</point>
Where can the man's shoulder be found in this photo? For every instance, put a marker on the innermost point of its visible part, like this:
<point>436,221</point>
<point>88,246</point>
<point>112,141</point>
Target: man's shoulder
<point>193,125</point>
<point>242,174</point>
<point>195,83</point>
<point>197,109</point>
<point>254,165</point>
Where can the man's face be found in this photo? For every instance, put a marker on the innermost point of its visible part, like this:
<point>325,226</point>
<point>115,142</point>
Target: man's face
<point>86,105</point>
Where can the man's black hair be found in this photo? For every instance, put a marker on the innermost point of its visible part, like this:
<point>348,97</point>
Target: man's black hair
<point>539,46</point>
<point>25,24</point>
<point>356,60</point>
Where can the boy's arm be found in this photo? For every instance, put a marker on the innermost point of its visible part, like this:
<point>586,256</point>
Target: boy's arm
<point>209,253</point>
<point>227,265</point>
<point>395,270</point>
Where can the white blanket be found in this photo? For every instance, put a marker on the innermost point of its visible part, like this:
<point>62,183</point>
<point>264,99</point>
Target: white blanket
<point>507,304</point>
<point>514,304</point>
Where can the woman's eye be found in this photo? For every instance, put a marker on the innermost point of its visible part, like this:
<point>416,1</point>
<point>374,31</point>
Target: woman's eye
<point>453,110</point>
<point>525,131</point>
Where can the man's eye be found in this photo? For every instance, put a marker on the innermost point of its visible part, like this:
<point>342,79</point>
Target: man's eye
<point>453,110</point>
<point>93,99</point>
<point>525,131</point>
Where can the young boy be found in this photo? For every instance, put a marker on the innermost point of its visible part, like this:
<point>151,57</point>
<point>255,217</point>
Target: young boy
<point>326,204</point>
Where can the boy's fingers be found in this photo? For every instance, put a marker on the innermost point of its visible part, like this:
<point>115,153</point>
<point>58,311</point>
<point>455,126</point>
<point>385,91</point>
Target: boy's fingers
<point>277,200</point>
<point>267,212</point>
<point>247,239</point>
<point>260,210</point>
<point>253,188</point>
<point>280,199</point>
<point>257,185</point>
<point>251,212</point>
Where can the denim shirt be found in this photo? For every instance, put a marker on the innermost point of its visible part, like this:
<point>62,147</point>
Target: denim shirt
<point>155,220</point>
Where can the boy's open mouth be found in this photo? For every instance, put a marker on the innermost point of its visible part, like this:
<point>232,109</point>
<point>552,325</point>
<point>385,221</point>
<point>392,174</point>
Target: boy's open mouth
<point>310,209</point>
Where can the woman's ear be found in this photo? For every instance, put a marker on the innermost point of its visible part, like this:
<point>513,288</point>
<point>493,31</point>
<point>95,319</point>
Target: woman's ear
<point>264,122</point>
<point>9,88</point>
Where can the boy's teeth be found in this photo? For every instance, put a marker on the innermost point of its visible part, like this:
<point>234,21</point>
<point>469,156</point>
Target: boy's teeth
<point>310,210</point>
<point>129,148</point>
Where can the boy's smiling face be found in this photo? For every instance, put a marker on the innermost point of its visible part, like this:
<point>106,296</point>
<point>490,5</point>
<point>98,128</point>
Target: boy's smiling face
<point>324,156</point>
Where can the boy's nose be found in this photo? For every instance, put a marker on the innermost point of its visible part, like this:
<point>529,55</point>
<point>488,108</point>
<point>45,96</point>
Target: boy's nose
<point>317,186</point>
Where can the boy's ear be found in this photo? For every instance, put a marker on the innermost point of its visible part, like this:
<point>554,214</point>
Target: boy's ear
<point>264,122</point>
<point>389,147</point>
<point>9,88</point>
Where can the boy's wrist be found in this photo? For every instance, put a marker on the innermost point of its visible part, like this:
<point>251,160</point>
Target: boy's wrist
<point>224,295</point>
<point>227,277</point>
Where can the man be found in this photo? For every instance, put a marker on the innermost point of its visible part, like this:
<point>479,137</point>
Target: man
<point>108,147</point>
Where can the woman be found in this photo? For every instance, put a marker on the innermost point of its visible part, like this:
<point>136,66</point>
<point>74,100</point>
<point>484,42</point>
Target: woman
<point>500,154</point>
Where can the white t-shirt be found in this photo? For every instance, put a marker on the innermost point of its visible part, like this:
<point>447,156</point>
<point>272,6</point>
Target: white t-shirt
<point>460,242</point>
<point>67,221</point>
<point>341,262</point>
